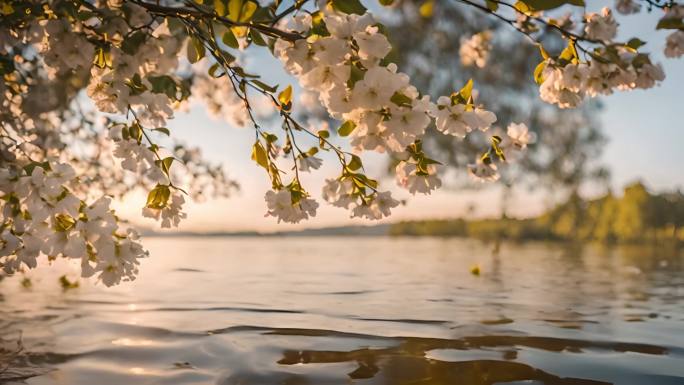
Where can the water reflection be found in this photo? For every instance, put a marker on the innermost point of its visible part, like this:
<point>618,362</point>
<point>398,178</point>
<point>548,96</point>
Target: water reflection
<point>411,361</point>
<point>374,310</point>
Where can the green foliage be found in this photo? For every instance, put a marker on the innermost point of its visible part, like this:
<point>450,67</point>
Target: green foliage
<point>637,216</point>
<point>346,128</point>
<point>195,50</point>
<point>349,6</point>
<point>229,39</point>
<point>544,5</point>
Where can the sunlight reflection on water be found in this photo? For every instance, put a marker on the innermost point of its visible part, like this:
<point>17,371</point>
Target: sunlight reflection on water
<point>376,310</point>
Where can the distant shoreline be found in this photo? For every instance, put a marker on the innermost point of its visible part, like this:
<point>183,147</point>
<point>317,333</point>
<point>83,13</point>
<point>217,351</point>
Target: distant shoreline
<point>365,231</point>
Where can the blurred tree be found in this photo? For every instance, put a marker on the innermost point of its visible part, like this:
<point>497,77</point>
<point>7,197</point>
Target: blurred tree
<point>634,217</point>
<point>427,48</point>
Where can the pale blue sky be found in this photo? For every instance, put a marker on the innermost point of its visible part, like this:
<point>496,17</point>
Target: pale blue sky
<point>644,128</point>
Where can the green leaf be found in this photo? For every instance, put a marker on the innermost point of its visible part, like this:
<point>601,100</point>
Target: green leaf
<point>322,136</point>
<point>265,86</point>
<point>135,132</point>
<point>165,164</point>
<point>229,39</point>
<point>163,130</point>
<point>671,23</point>
<point>400,99</point>
<point>257,38</point>
<point>196,50</point>
<point>264,15</point>
<point>346,128</point>
<point>163,85</point>
<point>349,6</point>
<point>386,2</point>
<point>270,138</point>
<point>259,155</point>
<point>132,42</point>
<point>158,197</point>
<point>635,43</point>
<point>545,5</point>
<point>32,166</point>
<point>355,163</point>
<point>213,69</point>
<point>355,75</point>
<point>492,5</point>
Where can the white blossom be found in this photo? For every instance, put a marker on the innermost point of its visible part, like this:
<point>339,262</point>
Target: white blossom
<point>380,206</point>
<point>457,120</point>
<point>474,51</point>
<point>306,163</point>
<point>339,192</point>
<point>649,75</point>
<point>281,205</point>
<point>410,177</point>
<point>520,136</point>
<point>627,7</point>
<point>674,47</point>
<point>601,26</point>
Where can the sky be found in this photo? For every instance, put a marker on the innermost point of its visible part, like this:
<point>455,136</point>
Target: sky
<point>645,132</point>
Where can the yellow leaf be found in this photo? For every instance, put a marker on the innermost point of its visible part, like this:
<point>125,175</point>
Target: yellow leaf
<point>285,98</point>
<point>241,11</point>
<point>247,11</point>
<point>259,155</point>
<point>220,7</point>
<point>158,197</point>
<point>427,9</point>
<point>475,270</point>
<point>234,7</point>
<point>543,52</point>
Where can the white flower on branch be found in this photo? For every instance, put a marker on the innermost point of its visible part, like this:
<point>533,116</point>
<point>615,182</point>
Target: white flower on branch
<point>416,180</point>
<point>281,205</point>
<point>601,26</point>
<point>307,163</point>
<point>458,120</point>
<point>627,7</point>
<point>674,47</point>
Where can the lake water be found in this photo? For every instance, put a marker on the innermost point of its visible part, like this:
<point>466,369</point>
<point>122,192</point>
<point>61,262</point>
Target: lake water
<point>354,310</point>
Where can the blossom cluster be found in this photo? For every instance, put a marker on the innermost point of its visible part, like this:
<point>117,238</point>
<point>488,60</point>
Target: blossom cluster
<point>474,51</point>
<point>42,217</point>
<point>566,80</point>
<point>133,59</point>
<point>674,19</point>
<point>567,86</point>
<point>342,61</point>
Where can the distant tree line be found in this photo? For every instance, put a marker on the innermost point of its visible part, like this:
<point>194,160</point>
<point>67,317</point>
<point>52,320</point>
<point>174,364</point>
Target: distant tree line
<point>636,216</point>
